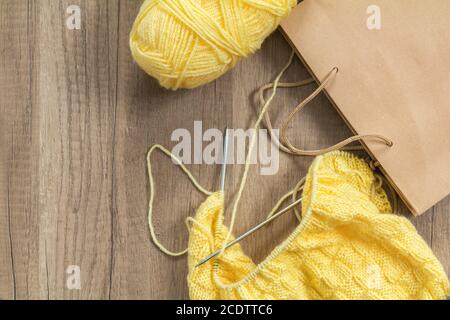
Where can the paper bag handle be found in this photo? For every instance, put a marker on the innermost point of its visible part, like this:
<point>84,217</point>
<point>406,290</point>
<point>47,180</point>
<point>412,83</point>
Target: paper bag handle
<point>284,143</point>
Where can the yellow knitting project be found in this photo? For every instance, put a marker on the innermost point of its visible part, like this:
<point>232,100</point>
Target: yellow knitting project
<point>187,43</point>
<point>347,246</point>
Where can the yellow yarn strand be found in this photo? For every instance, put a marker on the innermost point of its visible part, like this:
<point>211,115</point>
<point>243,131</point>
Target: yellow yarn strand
<point>188,43</point>
<point>152,195</point>
<point>293,193</point>
<point>251,147</point>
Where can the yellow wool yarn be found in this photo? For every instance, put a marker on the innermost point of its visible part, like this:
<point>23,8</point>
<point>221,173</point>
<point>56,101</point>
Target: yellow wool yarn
<point>187,43</point>
<point>347,246</point>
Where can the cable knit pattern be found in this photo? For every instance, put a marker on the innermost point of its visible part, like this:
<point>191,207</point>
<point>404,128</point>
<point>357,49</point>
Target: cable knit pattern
<point>347,246</point>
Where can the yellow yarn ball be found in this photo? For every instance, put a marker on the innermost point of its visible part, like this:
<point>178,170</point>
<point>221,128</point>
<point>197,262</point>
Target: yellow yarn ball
<point>187,43</point>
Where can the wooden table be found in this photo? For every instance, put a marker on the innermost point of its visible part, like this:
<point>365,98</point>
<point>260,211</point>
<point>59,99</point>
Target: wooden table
<point>77,117</point>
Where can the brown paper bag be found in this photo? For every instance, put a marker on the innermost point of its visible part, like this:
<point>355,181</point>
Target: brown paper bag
<point>394,79</point>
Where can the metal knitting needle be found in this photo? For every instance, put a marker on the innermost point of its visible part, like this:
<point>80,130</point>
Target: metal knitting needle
<point>223,170</point>
<point>245,235</point>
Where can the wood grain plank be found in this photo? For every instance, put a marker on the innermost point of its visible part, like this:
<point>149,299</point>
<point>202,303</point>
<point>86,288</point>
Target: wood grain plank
<point>440,242</point>
<point>76,90</point>
<point>19,236</point>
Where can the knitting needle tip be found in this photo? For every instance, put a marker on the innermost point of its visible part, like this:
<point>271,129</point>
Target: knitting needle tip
<point>224,159</point>
<point>249,232</point>
<point>223,172</point>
